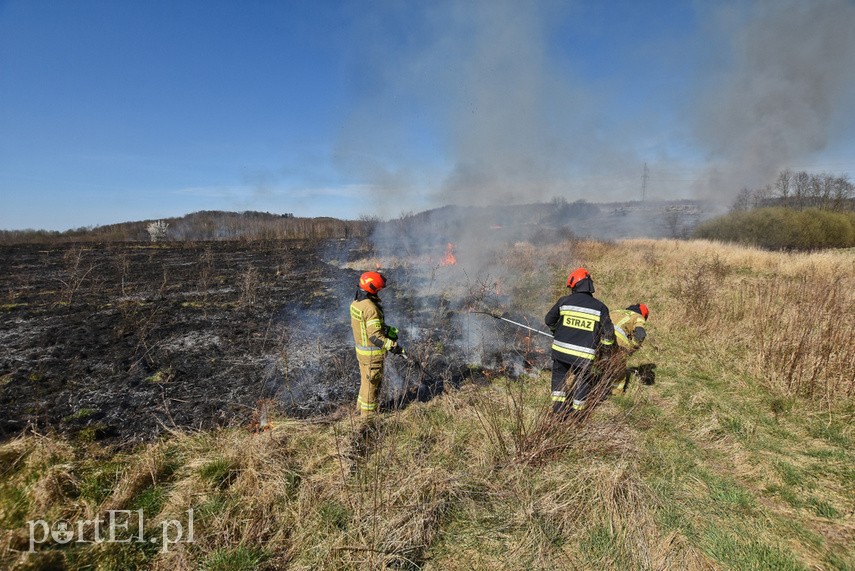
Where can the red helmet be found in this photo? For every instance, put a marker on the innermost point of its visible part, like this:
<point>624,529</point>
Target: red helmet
<point>576,276</point>
<point>372,282</point>
<point>640,308</point>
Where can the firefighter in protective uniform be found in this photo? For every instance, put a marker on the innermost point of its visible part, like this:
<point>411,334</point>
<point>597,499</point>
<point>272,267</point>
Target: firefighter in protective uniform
<point>583,332</point>
<point>630,332</point>
<point>373,338</point>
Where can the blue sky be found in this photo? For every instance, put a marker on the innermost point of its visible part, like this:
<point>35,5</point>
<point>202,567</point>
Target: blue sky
<point>117,110</point>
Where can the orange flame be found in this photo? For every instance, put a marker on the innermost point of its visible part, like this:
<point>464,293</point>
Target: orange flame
<point>448,259</point>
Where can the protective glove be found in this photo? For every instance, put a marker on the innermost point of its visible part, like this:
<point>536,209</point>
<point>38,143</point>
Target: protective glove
<point>397,350</point>
<point>392,333</point>
<point>606,351</point>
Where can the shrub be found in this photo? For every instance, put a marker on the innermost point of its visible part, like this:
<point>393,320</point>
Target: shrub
<point>782,228</point>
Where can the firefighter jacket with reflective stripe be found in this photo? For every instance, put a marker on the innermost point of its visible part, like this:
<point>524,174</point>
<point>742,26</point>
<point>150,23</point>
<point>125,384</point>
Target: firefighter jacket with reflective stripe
<point>369,329</point>
<point>581,324</point>
<point>630,329</point>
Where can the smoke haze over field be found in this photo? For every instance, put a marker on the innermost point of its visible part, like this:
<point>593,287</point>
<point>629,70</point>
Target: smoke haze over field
<point>508,123</point>
<point>511,123</point>
<point>786,86</point>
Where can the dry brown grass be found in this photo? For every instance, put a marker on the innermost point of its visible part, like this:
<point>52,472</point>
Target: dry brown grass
<point>723,463</point>
<point>780,317</point>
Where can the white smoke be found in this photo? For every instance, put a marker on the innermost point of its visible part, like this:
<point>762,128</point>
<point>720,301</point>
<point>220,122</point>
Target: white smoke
<point>469,103</point>
<point>786,82</point>
<point>475,87</point>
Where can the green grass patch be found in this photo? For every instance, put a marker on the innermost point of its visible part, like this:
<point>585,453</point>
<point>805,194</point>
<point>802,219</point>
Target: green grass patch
<point>98,480</point>
<point>833,432</point>
<point>736,426</point>
<point>91,433</point>
<point>81,414</point>
<point>823,508</point>
<point>841,559</point>
<point>604,548</point>
<point>240,558</point>
<point>728,497</point>
<point>116,556</point>
<point>212,508</point>
<point>825,454</point>
<point>789,474</point>
<point>221,472</point>
<point>334,515</point>
<point>786,494</point>
<point>14,506</point>
<point>742,551</point>
<point>162,376</point>
<point>150,500</point>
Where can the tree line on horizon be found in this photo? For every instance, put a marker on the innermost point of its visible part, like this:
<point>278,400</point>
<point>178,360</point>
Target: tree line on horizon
<point>799,211</point>
<point>204,226</point>
<point>800,190</point>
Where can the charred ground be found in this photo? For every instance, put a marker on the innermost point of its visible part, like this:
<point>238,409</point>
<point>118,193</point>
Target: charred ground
<point>120,342</point>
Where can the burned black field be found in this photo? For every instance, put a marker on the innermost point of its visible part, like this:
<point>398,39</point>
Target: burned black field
<point>120,343</point>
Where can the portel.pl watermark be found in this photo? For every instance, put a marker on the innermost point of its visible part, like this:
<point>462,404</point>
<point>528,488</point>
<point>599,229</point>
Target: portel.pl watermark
<point>118,526</point>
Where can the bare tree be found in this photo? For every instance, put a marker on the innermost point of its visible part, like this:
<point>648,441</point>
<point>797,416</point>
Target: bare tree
<point>742,201</point>
<point>783,185</point>
<point>843,192</point>
<point>802,188</point>
<point>157,230</point>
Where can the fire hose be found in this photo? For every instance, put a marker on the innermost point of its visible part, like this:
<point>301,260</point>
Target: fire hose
<point>503,318</point>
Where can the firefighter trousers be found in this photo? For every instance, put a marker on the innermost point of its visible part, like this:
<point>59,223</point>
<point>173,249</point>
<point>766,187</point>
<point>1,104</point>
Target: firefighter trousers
<point>370,379</point>
<point>571,384</point>
<point>617,373</point>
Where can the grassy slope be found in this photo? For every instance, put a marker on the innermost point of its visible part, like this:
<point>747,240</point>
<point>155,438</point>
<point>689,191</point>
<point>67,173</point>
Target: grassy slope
<point>728,461</point>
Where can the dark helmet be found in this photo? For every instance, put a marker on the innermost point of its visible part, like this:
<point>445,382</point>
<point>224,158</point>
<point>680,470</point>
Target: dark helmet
<point>580,280</point>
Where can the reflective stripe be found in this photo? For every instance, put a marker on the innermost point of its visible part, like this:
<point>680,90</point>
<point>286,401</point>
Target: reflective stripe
<point>364,346</point>
<point>366,405</point>
<point>369,350</point>
<point>559,396</point>
<point>607,341</point>
<point>356,313</point>
<point>575,350</point>
<point>579,315</point>
<point>580,309</point>
<point>621,335</point>
<point>578,404</point>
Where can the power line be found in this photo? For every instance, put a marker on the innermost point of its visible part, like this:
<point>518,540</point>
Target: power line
<point>644,178</point>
